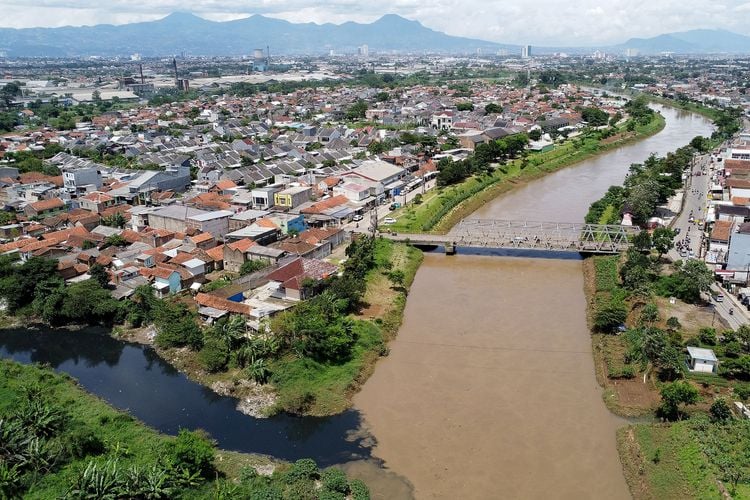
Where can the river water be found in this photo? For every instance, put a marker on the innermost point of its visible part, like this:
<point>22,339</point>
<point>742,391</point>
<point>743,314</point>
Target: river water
<point>489,391</point>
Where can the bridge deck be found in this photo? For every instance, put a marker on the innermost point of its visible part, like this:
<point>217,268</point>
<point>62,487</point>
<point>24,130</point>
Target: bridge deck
<point>529,235</point>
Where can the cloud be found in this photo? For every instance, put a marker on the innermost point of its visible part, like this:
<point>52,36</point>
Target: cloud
<point>545,22</point>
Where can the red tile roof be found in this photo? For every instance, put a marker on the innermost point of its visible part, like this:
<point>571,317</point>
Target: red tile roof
<point>208,300</point>
<point>242,245</point>
<point>51,204</point>
<point>293,274</point>
<point>320,206</point>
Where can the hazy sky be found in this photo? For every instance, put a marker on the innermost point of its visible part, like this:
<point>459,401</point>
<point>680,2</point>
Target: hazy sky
<point>551,22</point>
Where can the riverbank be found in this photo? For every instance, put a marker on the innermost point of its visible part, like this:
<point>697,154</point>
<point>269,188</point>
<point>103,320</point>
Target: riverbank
<point>302,385</point>
<point>81,438</point>
<point>445,207</point>
<point>308,387</point>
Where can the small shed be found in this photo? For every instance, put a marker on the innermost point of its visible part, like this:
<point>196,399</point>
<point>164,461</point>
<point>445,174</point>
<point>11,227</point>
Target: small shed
<point>702,360</point>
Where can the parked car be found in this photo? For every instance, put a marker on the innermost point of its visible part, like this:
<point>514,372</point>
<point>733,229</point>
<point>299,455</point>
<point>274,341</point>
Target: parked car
<point>357,218</point>
<point>389,220</point>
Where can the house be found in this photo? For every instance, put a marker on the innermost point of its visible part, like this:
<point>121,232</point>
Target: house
<point>288,223</point>
<point>96,202</point>
<point>292,197</point>
<point>76,179</point>
<point>166,280</point>
<point>263,198</point>
<point>702,360</point>
<point>235,254</point>
<point>378,171</point>
<point>738,258</point>
<point>292,278</point>
<point>44,207</point>
<point>718,244</point>
<point>211,303</point>
<point>216,222</point>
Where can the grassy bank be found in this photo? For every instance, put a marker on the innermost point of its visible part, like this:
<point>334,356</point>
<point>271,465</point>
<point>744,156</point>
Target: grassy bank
<point>444,207</point>
<point>666,462</point>
<point>58,441</point>
<point>320,388</point>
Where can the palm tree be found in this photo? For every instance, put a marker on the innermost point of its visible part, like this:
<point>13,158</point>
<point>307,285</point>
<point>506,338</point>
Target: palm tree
<point>258,371</point>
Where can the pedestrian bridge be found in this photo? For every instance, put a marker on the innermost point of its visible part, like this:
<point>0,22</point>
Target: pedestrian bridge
<point>527,235</point>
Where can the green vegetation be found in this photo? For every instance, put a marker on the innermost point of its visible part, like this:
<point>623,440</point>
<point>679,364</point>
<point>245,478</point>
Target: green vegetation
<point>443,208</point>
<point>34,288</point>
<point>666,462</point>
<point>646,186</point>
<point>56,441</point>
<point>328,348</point>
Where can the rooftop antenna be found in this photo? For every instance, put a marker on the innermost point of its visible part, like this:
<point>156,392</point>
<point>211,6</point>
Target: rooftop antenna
<point>142,79</point>
<point>268,57</point>
<point>176,80</point>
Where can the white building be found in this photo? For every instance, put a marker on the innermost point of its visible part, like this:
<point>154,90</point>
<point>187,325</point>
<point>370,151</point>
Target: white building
<point>702,360</point>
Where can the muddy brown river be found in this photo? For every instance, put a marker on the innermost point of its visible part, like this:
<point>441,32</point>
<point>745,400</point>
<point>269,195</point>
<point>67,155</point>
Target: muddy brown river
<point>489,390</point>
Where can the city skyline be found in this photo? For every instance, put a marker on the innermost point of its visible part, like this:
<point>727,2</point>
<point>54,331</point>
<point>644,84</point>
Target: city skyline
<point>579,23</point>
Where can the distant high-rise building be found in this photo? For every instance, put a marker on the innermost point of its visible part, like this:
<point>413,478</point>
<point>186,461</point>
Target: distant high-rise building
<point>526,51</point>
<point>631,52</point>
<point>135,57</point>
<point>363,51</point>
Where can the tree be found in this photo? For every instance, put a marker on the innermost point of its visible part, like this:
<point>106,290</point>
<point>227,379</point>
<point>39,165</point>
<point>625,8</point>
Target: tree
<point>493,108</point>
<point>98,273</point>
<point>357,110</point>
<point>595,116</point>
<point>675,394</point>
<point>535,134</point>
<point>720,410</point>
<point>116,240</point>
<point>643,199</point>
<point>115,220</point>
<point>214,355</point>
<point>610,315</point>
<point>642,241</point>
<point>465,106</point>
<point>696,278</point>
<point>662,240</point>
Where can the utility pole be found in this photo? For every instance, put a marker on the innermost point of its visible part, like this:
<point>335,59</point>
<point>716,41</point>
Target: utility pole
<point>374,221</point>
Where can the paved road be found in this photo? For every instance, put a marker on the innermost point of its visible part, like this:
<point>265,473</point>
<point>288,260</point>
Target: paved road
<point>695,206</point>
<point>384,211</point>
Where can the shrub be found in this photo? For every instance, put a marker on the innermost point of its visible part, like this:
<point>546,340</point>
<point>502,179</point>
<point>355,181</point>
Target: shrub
<point>214,355</point>
<point>627,372</point>
<point>742,391</point>
<point>193,452</point>
<point>82,442</point>
<point>334,480</point>
<point>610,315</point>
<point>707,336</point>
<point>720,411</point>
<point>303,469</point>
<point>359,490</point>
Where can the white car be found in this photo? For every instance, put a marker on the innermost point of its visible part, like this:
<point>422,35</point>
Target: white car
<point>389,220</point>
<point>357,218</point>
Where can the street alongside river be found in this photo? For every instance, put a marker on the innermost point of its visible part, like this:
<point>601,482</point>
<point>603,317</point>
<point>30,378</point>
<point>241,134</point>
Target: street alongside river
<point>489,391</point>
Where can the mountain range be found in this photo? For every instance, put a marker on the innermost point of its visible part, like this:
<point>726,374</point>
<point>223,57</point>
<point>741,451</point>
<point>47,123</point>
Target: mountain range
<point>184,32</point>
